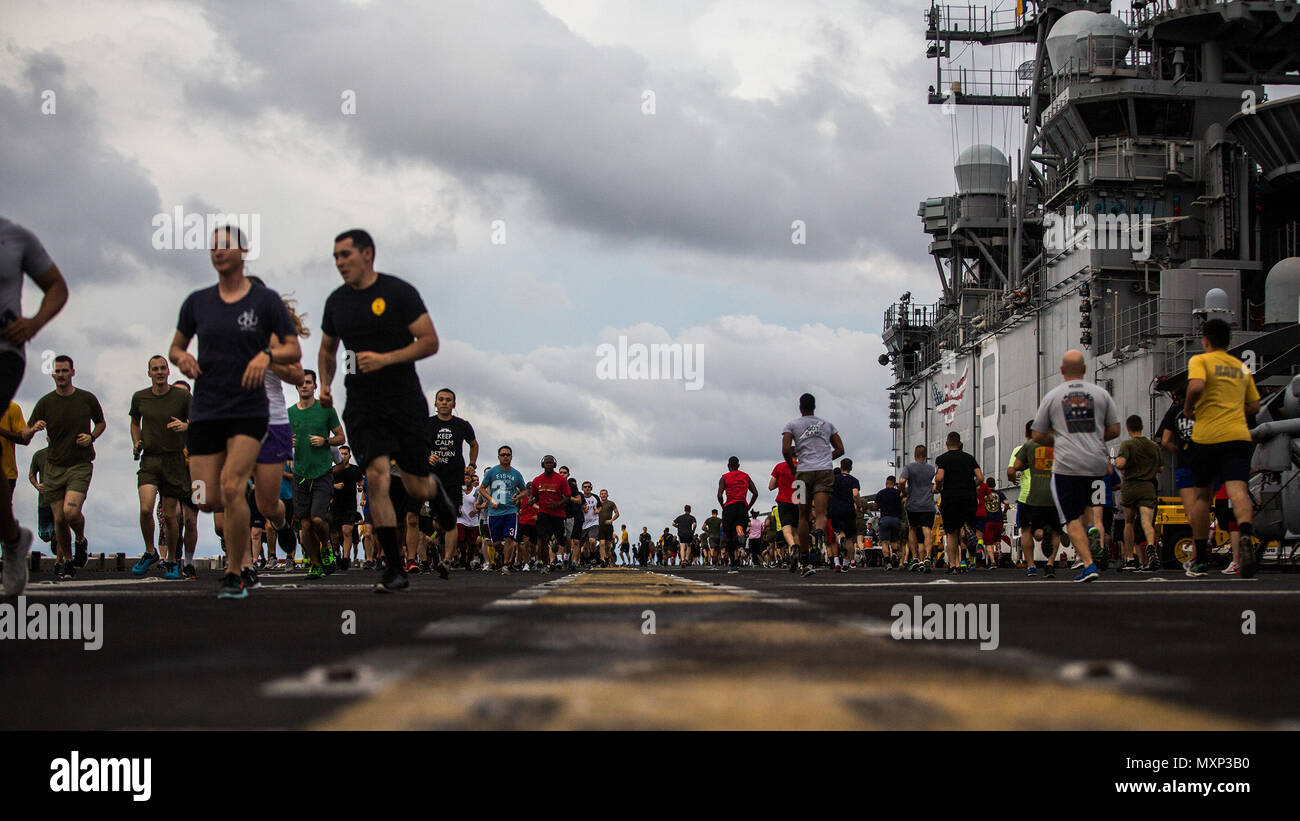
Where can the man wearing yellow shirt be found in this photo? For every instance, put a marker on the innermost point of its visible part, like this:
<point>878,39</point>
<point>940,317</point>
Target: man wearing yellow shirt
<point>1221,393</point>
<point>12,425</point>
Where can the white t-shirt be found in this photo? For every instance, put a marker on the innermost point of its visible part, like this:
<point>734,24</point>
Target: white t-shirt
<point>278,409</point>
<point>590,516</point>
<point>467,515</point>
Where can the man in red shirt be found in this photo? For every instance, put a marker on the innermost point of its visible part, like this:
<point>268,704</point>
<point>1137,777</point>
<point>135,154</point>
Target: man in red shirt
<point>787,512</point>
<point>736,486</point>
<point>551,491</point>
<point>528,529</point>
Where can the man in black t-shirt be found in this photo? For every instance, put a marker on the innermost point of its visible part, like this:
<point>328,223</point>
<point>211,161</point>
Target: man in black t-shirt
<point>447,437</point>
<point>889,503</point>
<point>343,515</point>
<point>845,493</point>
<point>685,525</point>
<point>957,473</point>
<point>385,330</point>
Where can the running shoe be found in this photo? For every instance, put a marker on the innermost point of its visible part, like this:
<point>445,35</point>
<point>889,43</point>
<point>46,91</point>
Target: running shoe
<point>171,571</point>
<point>315,572</point>
<point>249,577</point>
<point>1249,557</point>
<point>69,570</point>
<point>15,556</point>
<point>1049,572</point>
<point>232,587</point>
<point>1078,565</point>
<point>927,566</point>
<point>1196,571</point>
<point>1231,570</point>
<point>327,559</point>
<point>505,570</point>
<point>443,571</point>
<point>808,570</point>
<point>1154,566</point>
<point>1129,566</point>
<point>734,569</point>
<point>412,566</point>
<point>81,553</point>
<point>143,564</point>
<point>1088,573</point>
<point>1031,572</point>
<point>367,565</point>
<point>392,582</point>
<point>190,573</point>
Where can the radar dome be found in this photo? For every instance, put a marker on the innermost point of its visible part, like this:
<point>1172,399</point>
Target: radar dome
<point>1110,40</point>
<point>1282,293</point>
<point>1060,40</point>
<point>982,169</point>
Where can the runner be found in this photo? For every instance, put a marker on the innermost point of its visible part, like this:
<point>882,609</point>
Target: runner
<point>889,503</point>
<point>189,521</point>
<point>734,489</point>
<point>385,329</point>
<point>755,542</point>
<point>713,534</point>
<point>467,520</point>
<point>814,444</point>
<point>12,425</point>
<point>502,488</point>
<point>1077,418</point>
<point>159,419</point>
<point>35,476</point>
<point>606,514</point>
<point>550,490</point>
<point>685,524</point>
<point>343,515</point>
<point>644,546</point>
<point>316,429</point>
<point>573,521</point>
<point>21,253</point>
<point>243,329</point>
<point>1036,511</point>
<point>624,546</point>
<point>994,505</point>
<point>916,482</point>
<point>1175,436</point>
<point>956,476</point>
<point>1140,462</point>
<point>787,512</point>
<point>447,437</point>
<point>587,543</point>
<point>69,413</point>
<point>1221,393</point>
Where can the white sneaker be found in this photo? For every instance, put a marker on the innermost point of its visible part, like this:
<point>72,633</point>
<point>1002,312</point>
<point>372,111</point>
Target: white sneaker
<point>15,556</point>
<point>1231,570</point>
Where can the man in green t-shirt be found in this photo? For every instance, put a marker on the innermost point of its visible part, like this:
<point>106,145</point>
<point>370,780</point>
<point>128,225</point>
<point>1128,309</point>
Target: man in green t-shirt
<point>606,513</point>
<point>159,419</point>
<point>36,476</point>
<point>1037,511</point>
<point>316,429</point>
<point>74,420</point>
<point>1139,461</point>
<point>712,531</point>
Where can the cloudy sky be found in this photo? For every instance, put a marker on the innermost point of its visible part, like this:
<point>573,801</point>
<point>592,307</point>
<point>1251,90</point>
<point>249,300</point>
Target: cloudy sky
<point>550,174</point>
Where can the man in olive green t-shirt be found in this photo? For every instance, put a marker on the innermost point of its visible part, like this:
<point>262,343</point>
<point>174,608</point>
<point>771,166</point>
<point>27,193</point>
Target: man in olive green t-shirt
<point>315,429</point>
<point>1139,461</point>
<point>67,413</point>
<point>160,417</point>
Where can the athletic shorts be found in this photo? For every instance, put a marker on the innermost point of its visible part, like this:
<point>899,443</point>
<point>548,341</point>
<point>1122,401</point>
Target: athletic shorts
<point>1073,495</point>
<point>548,526</point>
<point>12,367</point>
<point>505,526</point>
<point>788,514</point>
<point>605,531</point>
<point>59,480</point>
<point>573,528</point>
<point>1224,513</point>
<point>425,525</point>
<point>890,528</point>
<point>1137,494</point>
<point>845,523</point>
<point>392,428</point>
<point>466,534</point>
<point>1182,478</point>
<point>917,519</point>
<point>339,519</point>
<point>528,532</point>
<point>589,533</point>
<point>1221,461</point>
<point>816,481</point>
<point>277,445</point>
<point>957,512</point>
<point>734,515</point>
<point>311,497</point>
<point>209,436</point>
<point>402,501</point>
<point>992,533</point>
<point>167,472</point>
<point>713,543</point>
<point>1034,517</point>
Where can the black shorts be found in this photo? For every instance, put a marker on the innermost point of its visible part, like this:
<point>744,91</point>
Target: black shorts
<point>426,525</point>
<point>1033,517</point>
<point>1073,495</point>
<point>311,497</point>
<point>919,519</point>
<point>576,531</point>
<point>735,515</point>
<point>210,435</point>
<point>339,519</point>
<point>12,366</point>
<point>1220,462</point>
<point>845,523</point>
<point>1224,514</point>
<point>528,532</point>
<point>958,512</point>
<point>548,526</point>
<point>788,513</point>
<point>395,429</point>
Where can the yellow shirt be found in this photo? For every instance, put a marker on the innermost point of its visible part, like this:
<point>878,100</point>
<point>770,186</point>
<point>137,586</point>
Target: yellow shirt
<point>1220,409</point>
<point>12,422</point>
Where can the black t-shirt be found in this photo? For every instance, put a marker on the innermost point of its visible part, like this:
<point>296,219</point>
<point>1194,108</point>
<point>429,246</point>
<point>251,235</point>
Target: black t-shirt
<point>376,319</point>
<point>345,500</point>
<point>958,468</point>
<point>229,335</point>
<point>842,492</point>
<point>646,539</point>
<point>684,523</point>
<point>889,501</point>
<point>572,509</point>
<point>1181,427</point>
<point>447,440</point>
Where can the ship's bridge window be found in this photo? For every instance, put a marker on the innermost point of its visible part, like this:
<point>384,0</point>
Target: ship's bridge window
<point>1165,118</point>
<point>1106,118</point>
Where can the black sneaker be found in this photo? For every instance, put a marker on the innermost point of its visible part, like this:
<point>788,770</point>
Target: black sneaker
<point>190,573</point>
<point>442,570</point>
<point>58,570</point>
<point>81,554</point>
<point>1049,572</point>
<point>1249,559</point>
<point>249,577</point>
<point>231,587</point>
<point>392,581</point>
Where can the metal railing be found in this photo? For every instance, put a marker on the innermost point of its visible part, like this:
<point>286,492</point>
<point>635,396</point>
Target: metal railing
<point>966,19</point>
<point>960,82</point>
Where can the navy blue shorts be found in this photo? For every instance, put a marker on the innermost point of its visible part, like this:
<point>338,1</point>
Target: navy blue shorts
<point>503,527</point>
<point>1073,495</point>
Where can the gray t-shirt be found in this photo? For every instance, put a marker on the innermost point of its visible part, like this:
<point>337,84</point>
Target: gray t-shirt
<point>812,442</point>
<point>20,253</point>
<point>1077,414</point>
<point>920,486</point>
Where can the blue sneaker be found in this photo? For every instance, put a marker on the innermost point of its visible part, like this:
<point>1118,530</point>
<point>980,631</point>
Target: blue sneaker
<point>1032,571</point>
<point>145,562</point>
<point>1088,573</point>
<point>232,587</point>
<point>172,571</point>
